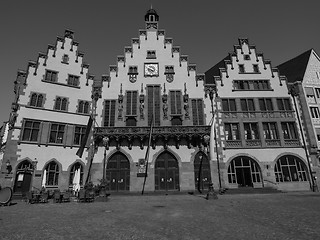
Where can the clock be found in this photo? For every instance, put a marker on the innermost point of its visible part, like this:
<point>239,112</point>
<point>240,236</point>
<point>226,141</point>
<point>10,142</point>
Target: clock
<point>151,69</point>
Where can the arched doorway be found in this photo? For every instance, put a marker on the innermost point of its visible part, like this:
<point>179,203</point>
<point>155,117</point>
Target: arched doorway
<point>23,177</point>
<point>118,173</point>
<point>166,173</point>
<point>205,173</point>
<point>244,171</point>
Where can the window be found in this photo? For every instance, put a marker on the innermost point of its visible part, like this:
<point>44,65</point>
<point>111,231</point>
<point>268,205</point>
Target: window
<point>229,105</point>
<point>241,68</point>
<point>265,104</point>
<point>131,122</point>
<point>289,130</point>
<point>317,92</point>
<point>314,112</point>
<point>175,102</point>
<point>284,104</point>
<point>153,94</point>
<point>251,131</point>
<point>65,58</point>
<point>132,98</point>
<point>247,105</point>
<point>318,75</point>
<point>270,131</point>
<point>246,57</point>
<point>51,76</point>
<point>61,104</point>
<point>251,85</point>
<point>79,133</point>
<point>76,167</point>
<point>197,111</point>
<point>169,70</point>
<point>52,174</point>
<point>232,131</point>
<point>151,54</point>
<point>73,80</point>
<point>109,113</point>
<point>56,133</point>
<point>310,95</point>
<point>83,107</point>
<point>31,130</point>
<point>133,70</point>
<point>36,100</point>
<point>256,68</point>
<point>290,169</point>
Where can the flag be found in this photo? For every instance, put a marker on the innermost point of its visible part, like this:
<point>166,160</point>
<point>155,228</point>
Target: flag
<point>85,138</point>
<point>146,159</point>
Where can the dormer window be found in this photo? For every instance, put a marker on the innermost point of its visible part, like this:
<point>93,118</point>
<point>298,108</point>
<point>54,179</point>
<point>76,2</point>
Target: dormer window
<point>65,59</point>
<point>151,54</point>
<point>256,68</point>
<point>241,68</point>
<point>73,80</point>
<point>246,57</point>
<point>169,72</point>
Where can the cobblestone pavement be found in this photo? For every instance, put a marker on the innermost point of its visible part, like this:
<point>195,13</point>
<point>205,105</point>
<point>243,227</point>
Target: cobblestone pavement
<point>263,216</point>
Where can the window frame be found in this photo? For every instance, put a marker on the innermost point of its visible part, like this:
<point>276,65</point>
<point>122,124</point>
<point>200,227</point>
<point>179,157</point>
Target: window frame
<point>29,132</point>
<point>56,136</point>
<point>53,76</point>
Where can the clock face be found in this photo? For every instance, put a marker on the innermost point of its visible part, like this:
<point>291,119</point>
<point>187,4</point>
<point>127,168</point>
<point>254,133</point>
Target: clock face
<point>151,69</point>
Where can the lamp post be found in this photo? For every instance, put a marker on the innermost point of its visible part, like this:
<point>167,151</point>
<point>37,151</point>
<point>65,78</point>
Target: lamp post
<point>105,141</point>
<point>211,90</point>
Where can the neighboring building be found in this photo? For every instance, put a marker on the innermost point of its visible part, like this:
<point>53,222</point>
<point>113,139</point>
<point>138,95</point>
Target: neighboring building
<point>258,133</point>
<point>4,129</point>
<point>303,76</point>
<point>153,80</point>
<point>48,120</point>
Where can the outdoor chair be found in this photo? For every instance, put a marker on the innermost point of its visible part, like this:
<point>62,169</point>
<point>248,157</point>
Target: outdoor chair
<point>82,195</point>
<point>57,196</point>
<point>66,197</point>
<point>89,195</point>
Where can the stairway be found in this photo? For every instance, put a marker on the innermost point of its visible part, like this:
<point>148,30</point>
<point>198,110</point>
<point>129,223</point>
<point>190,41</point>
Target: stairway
<point>250,190</point>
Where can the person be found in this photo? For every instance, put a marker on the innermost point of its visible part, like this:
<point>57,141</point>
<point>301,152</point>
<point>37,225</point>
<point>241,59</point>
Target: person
<point>211,192</point>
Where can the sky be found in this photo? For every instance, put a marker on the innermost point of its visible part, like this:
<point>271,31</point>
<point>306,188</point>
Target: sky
<point>206,31</point>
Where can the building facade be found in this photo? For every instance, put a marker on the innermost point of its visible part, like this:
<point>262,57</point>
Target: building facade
<point>303,77</point>
<point>158,124</point>
<point>258,134</point>
<point>49,115</point>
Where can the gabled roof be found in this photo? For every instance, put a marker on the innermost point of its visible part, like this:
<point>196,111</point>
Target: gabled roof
<point>215,71</point>
<point>295,68</point>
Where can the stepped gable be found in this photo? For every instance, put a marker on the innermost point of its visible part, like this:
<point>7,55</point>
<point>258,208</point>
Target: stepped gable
<point>215,73</point>
<point>135,44</point>
<point>64,47</point>
<point>295,68</point>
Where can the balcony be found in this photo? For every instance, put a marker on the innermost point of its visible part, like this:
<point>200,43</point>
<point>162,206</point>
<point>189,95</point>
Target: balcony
<point>273,142</point>
<point>193,135</point>
<point>233,144</point>
<point>292,142</point>
<point>253,143</point>
<point>258,114</point>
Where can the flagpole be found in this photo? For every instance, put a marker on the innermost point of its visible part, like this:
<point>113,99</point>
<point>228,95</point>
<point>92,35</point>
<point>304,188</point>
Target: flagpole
<point>147,155</point>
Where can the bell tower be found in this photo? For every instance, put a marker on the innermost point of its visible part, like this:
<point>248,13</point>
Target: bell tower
<point>151,18</point>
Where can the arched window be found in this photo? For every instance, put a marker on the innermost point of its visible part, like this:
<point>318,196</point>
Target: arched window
<point>86,107</point>
<point>33,101</point>
<point>40,100</point>
<point>64,104</point>
<point>77,166</point>
<point>58,103</point>
<point>80,107</point>
<point>290,169</point>
<point>52,177</point>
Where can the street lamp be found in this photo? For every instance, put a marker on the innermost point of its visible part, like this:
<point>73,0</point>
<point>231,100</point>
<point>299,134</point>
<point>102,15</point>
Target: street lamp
<point>105,142</point>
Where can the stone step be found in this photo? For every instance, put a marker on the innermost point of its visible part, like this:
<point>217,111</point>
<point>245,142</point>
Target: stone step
<point>250,190</point>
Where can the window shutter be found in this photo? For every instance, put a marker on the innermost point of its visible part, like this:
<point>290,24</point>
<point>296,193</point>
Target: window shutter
<point>44,132</point>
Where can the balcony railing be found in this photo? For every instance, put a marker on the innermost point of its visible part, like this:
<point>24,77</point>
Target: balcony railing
<point>273,142</point>
<point>253,143</point>
<point>292,142</point>
<point>233,144</point>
